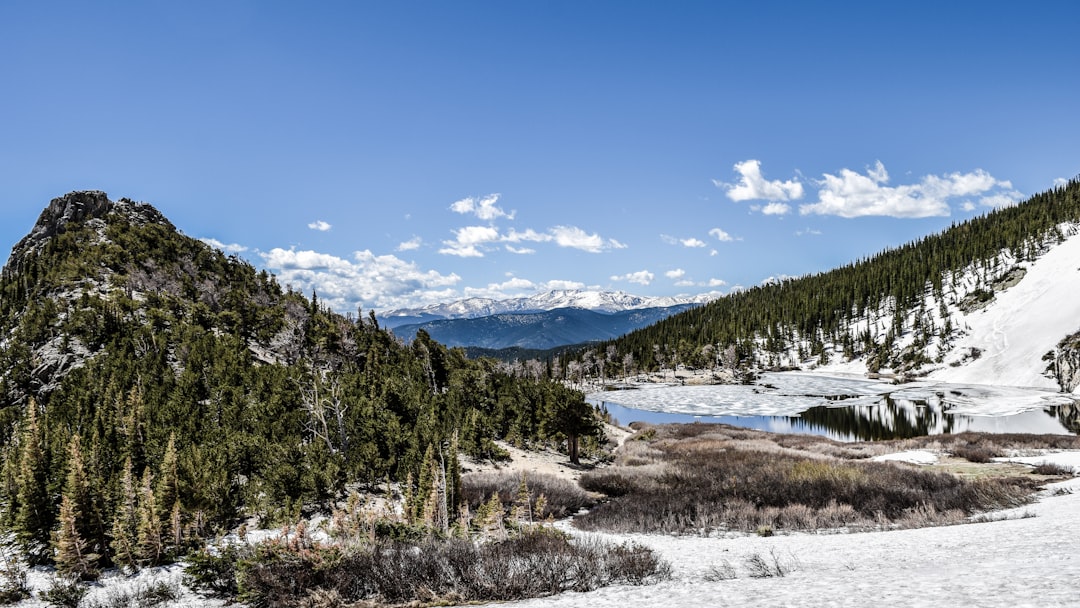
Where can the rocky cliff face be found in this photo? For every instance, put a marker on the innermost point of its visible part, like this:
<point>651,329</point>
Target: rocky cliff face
<point>1067,363</point>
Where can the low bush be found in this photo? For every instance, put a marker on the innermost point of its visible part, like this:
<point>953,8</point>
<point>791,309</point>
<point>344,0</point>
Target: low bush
<point>562,498</point>
<point>537,563</point>
<point>1053,469</point>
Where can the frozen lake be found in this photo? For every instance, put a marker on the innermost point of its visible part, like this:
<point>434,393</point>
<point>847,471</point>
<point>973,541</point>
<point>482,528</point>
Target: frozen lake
<point>850,409</point>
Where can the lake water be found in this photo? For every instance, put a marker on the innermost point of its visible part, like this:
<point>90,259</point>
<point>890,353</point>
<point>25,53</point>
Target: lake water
<point>849,409</point>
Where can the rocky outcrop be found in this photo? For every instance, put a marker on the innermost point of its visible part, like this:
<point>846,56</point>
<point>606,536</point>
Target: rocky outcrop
<point>72,208</point>
<point>1067,363</point>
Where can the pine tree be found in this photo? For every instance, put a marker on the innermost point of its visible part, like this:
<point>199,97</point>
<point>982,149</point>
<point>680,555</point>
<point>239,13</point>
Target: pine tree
<point>33,515</point>
<point>522,513</point>
<point>70,542</point>
<point>124,528</point>
<point>148,532</point>
<point>167,497</point>
<point>70,548</point>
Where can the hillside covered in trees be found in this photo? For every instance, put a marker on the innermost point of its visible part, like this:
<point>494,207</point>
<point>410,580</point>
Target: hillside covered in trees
<point>902,310</point>
<point>154,392</point>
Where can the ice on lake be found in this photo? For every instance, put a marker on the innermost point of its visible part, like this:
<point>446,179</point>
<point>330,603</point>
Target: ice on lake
<point>850,407</point>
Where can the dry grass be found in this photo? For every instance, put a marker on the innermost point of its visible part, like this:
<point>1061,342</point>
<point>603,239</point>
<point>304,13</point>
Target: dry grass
<point>700,478</point>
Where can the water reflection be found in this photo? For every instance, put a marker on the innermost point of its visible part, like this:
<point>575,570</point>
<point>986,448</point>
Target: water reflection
<point>888,418</point>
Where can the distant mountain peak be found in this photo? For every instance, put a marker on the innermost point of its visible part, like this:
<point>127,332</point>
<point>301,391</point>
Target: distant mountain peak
<point>596,301</point>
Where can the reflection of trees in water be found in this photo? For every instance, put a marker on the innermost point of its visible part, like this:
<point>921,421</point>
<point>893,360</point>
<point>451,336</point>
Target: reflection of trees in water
<point>1068,416</point>
<point>889,419</point>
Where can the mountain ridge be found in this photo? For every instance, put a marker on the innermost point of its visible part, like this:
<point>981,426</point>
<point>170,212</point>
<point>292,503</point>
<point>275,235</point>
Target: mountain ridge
<point>537,330</point>
<point>594,300</point>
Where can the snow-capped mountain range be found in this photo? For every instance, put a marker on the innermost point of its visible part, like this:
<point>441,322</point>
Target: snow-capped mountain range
<point>597,301</point>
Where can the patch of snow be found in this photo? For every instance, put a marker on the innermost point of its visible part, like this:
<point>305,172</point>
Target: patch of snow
<point>1065,459</point>
<point>921,457</point>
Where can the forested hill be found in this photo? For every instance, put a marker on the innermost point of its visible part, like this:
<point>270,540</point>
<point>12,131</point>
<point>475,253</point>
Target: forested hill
<point>142,369</point>
<point>905,310</point>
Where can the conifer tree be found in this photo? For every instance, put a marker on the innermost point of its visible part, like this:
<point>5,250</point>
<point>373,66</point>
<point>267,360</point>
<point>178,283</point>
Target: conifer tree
<point>124,528</point>
<point>71,556</point>
<point>167,497</point>
<point>33,515</point>
<point>148,532</point>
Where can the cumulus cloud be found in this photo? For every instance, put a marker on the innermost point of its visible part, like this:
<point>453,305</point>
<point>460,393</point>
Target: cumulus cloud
<point>1060,182</point>
<point>468,240</point>
<point>752,185</point>
<point>716,283</point>
<point>411,244</point>
<point>484,208</point>
<point>377,281</point>
<point>684,283</point>
<point>851,194</point>
<point>229,248</point>
<point>776,209</point>
<point>641,277</point>
<point>675,274</point>
<point>721,235</point>
<point>576,238</point>
<point>473,241</point>
<point>562,285</point>
<point>319,225</point>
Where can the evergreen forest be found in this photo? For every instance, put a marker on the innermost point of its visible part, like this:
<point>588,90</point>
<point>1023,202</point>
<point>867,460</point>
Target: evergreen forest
<point>857,310</point>
<point>156,392</point>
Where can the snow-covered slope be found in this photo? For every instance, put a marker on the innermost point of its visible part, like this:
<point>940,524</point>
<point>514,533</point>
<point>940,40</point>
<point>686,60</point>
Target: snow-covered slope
<point>994,323</point>
<point>1021,324</point>
<point>598,301</point>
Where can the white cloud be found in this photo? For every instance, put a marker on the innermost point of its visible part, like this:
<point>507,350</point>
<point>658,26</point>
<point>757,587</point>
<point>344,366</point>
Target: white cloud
<point>382,282</point>
<point>968,206</point>
<point>1060,182</point>
<point>472,241</point>
<point>411,244</point>
<point>468,239</point>
<point>689,242</point>
<point>576,238</point>
<point>562,285</point>
<point>230,248</point>
<point>808,232</point>
<point>513,287</point>
<point>641,277</point>
<point>721,235</point>
<point>714,253</point>
<point>850,194</point>
<point>675,274</point>
<point>484,208</point>
<point>1001,199</point>
<point>776,209</point>
<point>752,185</point>
<point>319,225</point>
<point>716,283</point>
<point>529,235</point>
<point>684,283</point>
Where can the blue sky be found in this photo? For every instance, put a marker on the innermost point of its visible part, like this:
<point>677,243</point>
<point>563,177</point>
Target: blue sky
<point>390,154</point>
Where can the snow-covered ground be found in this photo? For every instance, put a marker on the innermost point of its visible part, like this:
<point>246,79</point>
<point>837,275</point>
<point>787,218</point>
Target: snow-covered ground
<point>1026,557</point>
<point>1022,324</point>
